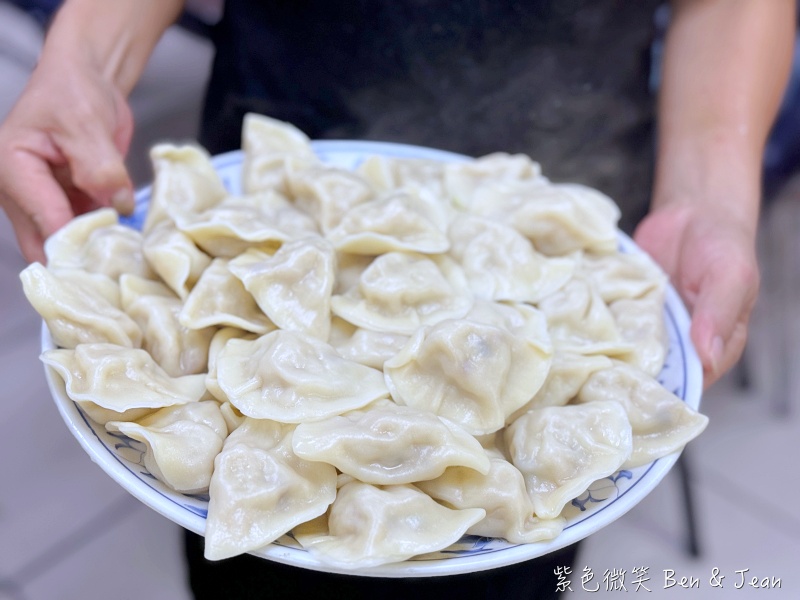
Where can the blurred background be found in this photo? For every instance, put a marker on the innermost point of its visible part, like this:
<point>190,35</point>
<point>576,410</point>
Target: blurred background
<point>68,531</point>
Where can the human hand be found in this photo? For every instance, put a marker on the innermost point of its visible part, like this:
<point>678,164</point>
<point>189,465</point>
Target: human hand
<point>710,257</point>
<point>62,149</point>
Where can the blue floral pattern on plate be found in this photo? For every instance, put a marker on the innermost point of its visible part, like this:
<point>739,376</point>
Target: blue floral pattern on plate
<point>604,502</point>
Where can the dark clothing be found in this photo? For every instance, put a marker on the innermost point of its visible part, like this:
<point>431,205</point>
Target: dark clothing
<point>250,578</point>
<point>41,10</point>
<point>564,81</point>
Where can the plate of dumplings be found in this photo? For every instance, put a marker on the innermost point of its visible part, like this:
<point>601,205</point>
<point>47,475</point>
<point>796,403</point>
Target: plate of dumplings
<point>367,358</point>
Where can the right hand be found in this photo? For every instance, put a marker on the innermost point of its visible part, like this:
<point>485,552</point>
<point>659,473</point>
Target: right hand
<point>62,150</point>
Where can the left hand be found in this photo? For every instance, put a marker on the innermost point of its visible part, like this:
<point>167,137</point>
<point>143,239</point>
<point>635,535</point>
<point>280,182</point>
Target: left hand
<point>710,257</point>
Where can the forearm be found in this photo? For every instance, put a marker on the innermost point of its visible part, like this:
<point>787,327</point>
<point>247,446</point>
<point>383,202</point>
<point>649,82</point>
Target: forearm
<point>725,68</point>
<point>114,37</point>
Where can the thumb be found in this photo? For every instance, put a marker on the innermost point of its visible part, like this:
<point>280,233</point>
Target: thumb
<point>97,169</point>
<point>99,172</point>
<point>720,315</point>
<point>35,203</point>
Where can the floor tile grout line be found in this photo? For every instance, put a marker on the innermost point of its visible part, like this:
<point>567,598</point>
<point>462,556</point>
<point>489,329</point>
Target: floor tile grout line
<point>107,519</point>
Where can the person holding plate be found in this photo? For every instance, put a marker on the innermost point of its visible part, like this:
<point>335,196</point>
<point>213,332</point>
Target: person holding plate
<point>568,82</point>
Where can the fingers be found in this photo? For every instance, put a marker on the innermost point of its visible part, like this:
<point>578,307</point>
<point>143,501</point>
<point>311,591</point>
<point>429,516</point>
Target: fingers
<point>97,168</point>
<point>720,316</point>
<point>36,204</point>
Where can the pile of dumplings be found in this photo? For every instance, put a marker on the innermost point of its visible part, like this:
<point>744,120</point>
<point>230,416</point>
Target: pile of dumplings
<point>378,360</point>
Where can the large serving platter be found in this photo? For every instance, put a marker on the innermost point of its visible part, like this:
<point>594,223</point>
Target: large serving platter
<point>603,503</point>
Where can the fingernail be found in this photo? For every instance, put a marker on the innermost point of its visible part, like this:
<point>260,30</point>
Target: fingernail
<point>717,349</point>
<point>122,201</point>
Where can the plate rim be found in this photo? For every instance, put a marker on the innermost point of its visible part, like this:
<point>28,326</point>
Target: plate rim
<point>76,419</point>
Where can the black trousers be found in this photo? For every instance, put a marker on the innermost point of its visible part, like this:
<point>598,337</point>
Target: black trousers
<point>249,578</point>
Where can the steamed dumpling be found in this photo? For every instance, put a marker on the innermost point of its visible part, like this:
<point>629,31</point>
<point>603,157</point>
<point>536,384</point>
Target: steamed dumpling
<point>175,258</point>
<point>472,373</point>
<point>293,287</point>
<point>371,526</point>
<point>326,193</point>
<point>399,292</point>
<point>579,321</point>
<point>389,444</point>
<point>501,493</point>
<point>461,179</point>
<point>263,221</point>
<point>220,299</point>
<point>155,308</point>
<point>79,307</point>
<point>268,144</point>
<point>568,372</point>
<point>97,243</point>
<point>391,173</point>
<point>292,377</point>
<point>260,489</point>
<point>119,378</point>
<point>558,218</point>
<point>185,183</point>
<point>500,264</point>
<point>402,221</point>
<point>622,275</point>
<point>181,443</point>
<point>641,323</point>
<point>561,450</point>
<point>662,423</point>
<point>216,345</point>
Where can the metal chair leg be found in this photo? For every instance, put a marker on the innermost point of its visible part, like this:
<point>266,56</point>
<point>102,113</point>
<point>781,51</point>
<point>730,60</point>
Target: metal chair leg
<point>684,472</point>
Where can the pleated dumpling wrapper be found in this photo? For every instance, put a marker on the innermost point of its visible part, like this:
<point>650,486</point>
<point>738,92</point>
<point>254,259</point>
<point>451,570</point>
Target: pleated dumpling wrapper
<point>371,348</point>
<point>561,450</point>
<point>399,221</point>
<point>580,321</point>
<point>174,256</point>
<point>181,443</point>
<point>79,307</point>
<point>389,444</point>
<point>326,193</point>
<point>401,291</point>
<point>262,221</point>
<point>185,182</point>
<point>220,300</point>
<point>293,377</point>
<point>293,286</point>
<point>501,264</point>
<point>641,323</point>
<point>473,373</point>
<point>370,526</point>
<point>558,218</point>
<point>269,144</point>
<point>502,494</point>
<point>98,243</point>
<point>260,489</point>
<point>120,380</point>
<point>662,423</point>
<point>155,308</point>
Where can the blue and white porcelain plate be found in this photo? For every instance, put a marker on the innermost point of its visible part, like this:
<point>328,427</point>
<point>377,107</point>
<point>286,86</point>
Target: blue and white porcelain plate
<point>604,502</point>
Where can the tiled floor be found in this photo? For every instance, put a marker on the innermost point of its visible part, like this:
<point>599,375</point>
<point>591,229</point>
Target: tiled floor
<point>67,531</point>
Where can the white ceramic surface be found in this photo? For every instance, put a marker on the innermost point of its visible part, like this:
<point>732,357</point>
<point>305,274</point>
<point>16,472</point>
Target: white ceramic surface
<point>605,501</point>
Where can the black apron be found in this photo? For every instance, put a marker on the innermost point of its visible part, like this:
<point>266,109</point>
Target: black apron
<point>564,81</point>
